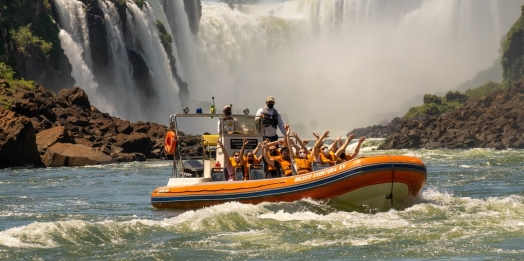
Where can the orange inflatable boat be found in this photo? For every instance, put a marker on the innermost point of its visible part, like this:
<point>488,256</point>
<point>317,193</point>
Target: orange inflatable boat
<point>374,182</point>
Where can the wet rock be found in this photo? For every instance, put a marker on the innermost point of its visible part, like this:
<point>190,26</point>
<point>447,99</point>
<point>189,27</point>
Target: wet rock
<point>49,137</point>
<point>17,141</point>
<point>74,155</point>
<point>85,124</point>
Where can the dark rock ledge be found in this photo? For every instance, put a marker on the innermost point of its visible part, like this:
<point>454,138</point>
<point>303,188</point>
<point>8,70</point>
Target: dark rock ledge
<point>40,129</point>
<point>496,121</point>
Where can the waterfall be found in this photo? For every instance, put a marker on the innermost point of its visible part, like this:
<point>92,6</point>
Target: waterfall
<point>123,94</point>
<point>368,59</point>
<point>179,25</point>
<point>74,37</point>
<point>149,45</point>
<point>119,94</point>
<point>160,15</point>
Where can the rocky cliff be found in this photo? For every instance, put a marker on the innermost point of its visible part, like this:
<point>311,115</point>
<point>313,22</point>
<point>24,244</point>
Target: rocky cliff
<point>496,121</point>
<point>36,122</point>
<point>36,53</point>
<point>29,43</point>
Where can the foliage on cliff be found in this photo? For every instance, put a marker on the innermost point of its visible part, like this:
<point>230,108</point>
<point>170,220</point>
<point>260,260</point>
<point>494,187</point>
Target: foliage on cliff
<point>9,75</point>
<point>435,105</point>
<point>33,48</point>
<point>513,53</point>
<point>513,71</point>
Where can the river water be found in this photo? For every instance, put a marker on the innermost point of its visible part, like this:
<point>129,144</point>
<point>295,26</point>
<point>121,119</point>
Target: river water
<point>471,208</point>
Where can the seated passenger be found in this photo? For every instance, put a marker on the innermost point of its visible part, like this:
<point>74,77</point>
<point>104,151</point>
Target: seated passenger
<point>251,158</point>
<point>341,152</point>
<point>303,160</point>
<point>232,163</point>
<point>321,152</point>
<point>278,162</point>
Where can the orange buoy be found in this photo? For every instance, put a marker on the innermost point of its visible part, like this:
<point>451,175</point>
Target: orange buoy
<point>170,143</point>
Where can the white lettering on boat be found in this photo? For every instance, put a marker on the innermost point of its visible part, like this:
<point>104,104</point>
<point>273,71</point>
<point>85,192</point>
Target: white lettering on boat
<point>320,173</point>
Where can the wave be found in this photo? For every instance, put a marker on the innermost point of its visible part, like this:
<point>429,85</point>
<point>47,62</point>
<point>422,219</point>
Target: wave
<point>236,222</point>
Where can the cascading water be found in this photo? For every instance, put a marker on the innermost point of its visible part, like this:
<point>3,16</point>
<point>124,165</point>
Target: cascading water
<point>367,59</point>
<point>119,94</point>
<point>160,15</point>
<point>123,84</point>
<point>179,24</point>
<point>74,37</point>
<point>166,89</point>
<point>364,59</point>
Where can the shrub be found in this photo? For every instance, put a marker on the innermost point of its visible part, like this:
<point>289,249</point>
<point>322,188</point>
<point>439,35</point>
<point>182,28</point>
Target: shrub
<point>430,98</point>
<point>24,40</point>
<point>9,74</point>
<point>456,96</point>
<point>481,91</point>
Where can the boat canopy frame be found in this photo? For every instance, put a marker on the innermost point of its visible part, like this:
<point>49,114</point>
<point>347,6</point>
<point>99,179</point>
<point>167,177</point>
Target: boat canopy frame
<point>180,156</point>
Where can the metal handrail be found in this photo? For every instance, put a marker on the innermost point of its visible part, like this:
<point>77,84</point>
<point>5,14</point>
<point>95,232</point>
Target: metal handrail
<point>177,160</point>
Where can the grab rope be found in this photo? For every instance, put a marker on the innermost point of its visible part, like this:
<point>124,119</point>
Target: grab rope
<point>390,196</point>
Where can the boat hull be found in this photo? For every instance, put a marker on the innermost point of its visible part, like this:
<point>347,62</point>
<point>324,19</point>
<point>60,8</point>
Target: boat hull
<point>366,181</point>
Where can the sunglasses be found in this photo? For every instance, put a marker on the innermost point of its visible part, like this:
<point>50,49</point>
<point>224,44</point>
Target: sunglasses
<point>236,156</point>
<point>250,156</point>
<point>273,150</point>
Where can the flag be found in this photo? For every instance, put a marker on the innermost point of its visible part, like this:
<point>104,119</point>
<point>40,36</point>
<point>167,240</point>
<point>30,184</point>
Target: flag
<point>212,107</point>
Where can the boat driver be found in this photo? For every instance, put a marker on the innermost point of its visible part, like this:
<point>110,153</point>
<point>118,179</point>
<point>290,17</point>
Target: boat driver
<point>229,123</point>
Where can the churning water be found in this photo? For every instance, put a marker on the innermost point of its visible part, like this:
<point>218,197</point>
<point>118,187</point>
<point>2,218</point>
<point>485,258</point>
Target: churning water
<point>471,208</point>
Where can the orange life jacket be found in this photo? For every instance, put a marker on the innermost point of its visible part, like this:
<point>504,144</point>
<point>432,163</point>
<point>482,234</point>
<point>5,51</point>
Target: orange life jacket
<point>286,166</point>
<point>247,165</point>
<point>303,165</point>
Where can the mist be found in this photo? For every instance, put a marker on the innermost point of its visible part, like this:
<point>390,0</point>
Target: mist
<point>339,65</point>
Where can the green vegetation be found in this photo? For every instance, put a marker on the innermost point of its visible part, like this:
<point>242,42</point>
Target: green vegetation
<point>435,105</point>
<point>140,3</point>
<point>481,91</point>
<point>8,74</point>
<point>25,40</point>
<point>513,54</point>
<point>165,37</point>
<point>166,40</point>
<point>6,103</point>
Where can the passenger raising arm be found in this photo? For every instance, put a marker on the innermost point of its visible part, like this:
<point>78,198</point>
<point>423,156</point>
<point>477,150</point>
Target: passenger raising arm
<point>229,166</point>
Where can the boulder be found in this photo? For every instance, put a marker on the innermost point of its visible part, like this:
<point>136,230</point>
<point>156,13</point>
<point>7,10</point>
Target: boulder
<point>74,96</point>
<point>17,141</point>
<point>135,142</point>
<point>47,138</point>
<point>74,155</point>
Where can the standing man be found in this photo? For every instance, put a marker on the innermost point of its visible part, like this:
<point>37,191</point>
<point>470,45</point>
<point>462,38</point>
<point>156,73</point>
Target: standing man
<point>270,118</point>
